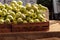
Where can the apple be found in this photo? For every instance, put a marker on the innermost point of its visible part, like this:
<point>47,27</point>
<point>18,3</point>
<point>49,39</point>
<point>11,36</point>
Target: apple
<point>14,2</point>
<point>29,13</point>
<point>14,22</point>
<point>4,10</point>
<point>11,13</point>
<point>20,2</point>
<point>23,9</point>
<point>4,14</point>
<point>23,16</point>
<point>0,12</point>
<point>34,16</point>
<point>7,21</point>
<point>36,20</point>
<point>34,7</point>
<point>38,12</point>
<point>42,7</point>
<point>2,6</point>
<point>31,10</point>
<point>12,5</point>
<point>25,21</point>
<point>19,20</point>
<point>43,15</point>
<point>1,21</point>
<point>10,17</point>
<point>40,16</point>
<point>18,14</point>
<point>28,18</point>
<point>31,21</point>
<point>8,7</point>
<point>8,13</point>
<point>28,6</point>
<point>2,18</point>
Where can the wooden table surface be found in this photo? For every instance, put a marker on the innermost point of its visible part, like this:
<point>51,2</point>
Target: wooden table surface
<point>52,34</point>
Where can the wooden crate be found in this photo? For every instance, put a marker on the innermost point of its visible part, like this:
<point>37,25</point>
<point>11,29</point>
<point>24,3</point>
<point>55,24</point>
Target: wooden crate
<point>27,27</point>
<point>4,28</point>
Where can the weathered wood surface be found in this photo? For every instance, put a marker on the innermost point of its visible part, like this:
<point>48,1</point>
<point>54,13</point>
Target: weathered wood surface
<point>52,34</point>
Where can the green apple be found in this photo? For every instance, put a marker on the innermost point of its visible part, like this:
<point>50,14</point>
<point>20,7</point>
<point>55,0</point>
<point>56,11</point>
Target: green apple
<point>7,21</point>
<point>36,20</point>
<point>34,16</point>
<point>2,18</point>
<point>4,14</point>
<point>32,10</point>
<point>42,7</point>
<point>29,13</point>
<point>10,17</point>
<point>2,6</point>
<point>20,2</point>
<point>12,5</point>
<point>14,2</point>
<point>11,13</point>
<point>4,10</point>
<point>40,16</point>
<point>1,21</point>
<point>0,12</point>
<point>23,9</point>
<point>14,22</point>
<point>25,21</point>
<point>18,14</point>
<point>8,7</point>
<point>31,21</point>
<point>34,7</point>
<point>8,13</point>
<point>23,16</point>
<point>28,18</point>
<point>43,15</point>
<point>38,12</point>
<point>28,6</point>
<point>15,9</point>
<point>19,20</point>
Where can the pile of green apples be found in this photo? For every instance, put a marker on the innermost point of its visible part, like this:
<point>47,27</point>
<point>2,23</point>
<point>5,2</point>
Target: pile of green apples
<point>16,13</point>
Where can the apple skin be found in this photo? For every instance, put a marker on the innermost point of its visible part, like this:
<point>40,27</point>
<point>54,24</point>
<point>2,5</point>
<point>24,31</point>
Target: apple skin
<point>31,21</point>
<point>4,14</point>
<point>18,14</point>
<point>4,10</point>
<point>10,17</point>
<point>41,7</point>
<point>12,13</point>
<point>25,21</point>
<point>0,12</point>
<point>19,20</point>
<point>2,6</point>
<point>31,10</point>
<point>36,20</point>
<point>28,6</point>
<point>14,2</point>
<point>23,16</point>
<point>1,21</point>
<point>8,7</point>
<point>7,21</point>
<point>34,7</point>
<point>20,2</point>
